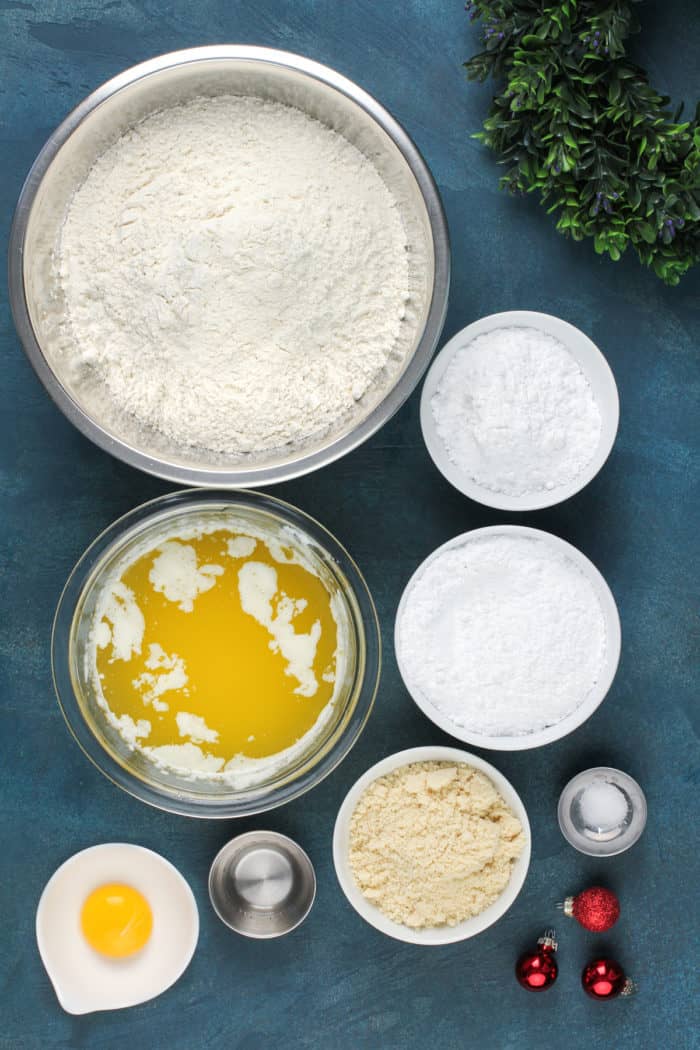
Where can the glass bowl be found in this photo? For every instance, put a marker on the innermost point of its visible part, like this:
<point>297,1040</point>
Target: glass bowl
<point>132,769</point>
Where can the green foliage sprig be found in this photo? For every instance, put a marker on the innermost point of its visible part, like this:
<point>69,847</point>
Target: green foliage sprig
<point>577,121</point>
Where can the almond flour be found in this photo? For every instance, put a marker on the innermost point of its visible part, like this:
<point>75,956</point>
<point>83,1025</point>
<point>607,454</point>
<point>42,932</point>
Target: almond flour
<point>433,844</point>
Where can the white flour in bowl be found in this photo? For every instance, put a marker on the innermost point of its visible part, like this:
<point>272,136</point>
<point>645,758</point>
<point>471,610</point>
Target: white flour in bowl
<point>235,275</point>
<point>504,635</point>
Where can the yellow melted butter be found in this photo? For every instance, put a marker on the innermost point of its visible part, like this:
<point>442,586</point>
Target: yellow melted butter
<point>238,681</point>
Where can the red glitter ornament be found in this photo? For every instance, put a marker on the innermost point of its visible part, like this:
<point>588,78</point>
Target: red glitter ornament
<point>605,979</point>
<point>597,909</point>
<point>538,970</point>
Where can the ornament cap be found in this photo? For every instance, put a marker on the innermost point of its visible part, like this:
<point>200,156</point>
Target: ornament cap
<point>548,940</point>
<point>629,988</point>
<point>568,906</point>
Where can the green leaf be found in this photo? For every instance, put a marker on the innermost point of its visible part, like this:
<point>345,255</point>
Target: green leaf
<point>634,196</point>
<point>647,232</point>
<point>605,152</point>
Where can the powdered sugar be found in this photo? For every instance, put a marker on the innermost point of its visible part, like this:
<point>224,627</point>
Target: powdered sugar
<point>516,413</point>
<point>504,635</point>
<point>235,276</point>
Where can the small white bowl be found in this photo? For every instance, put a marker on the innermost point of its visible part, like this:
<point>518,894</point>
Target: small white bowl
<point>595,368</point>
<point>85,981</point>
<point>585,709</point>
<point>370,912</point>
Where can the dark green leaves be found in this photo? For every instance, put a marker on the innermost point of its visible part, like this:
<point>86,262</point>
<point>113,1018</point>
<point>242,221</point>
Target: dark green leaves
<point>578,123</point>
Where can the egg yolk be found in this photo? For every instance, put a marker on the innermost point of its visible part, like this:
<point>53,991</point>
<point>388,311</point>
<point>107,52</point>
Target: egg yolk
<point>116,920</point>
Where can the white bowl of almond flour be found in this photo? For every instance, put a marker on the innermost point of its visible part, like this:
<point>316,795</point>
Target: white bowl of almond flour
<point>229,266</point>
<point>519,410</point>
<point>431,845</point>
<point>507,637</point>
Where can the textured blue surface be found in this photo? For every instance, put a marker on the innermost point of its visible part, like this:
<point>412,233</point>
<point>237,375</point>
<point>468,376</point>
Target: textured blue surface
<point>335,982</point>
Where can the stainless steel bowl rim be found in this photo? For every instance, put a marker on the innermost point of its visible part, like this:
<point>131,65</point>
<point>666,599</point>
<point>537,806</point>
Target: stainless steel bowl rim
<point>395,397</point>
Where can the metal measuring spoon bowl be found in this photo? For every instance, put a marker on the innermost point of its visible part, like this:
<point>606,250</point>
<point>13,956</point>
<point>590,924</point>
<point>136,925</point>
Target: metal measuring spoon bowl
<point>262,884</point>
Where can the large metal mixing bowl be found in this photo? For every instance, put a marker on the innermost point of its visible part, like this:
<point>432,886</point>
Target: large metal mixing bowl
<point>97,122</point>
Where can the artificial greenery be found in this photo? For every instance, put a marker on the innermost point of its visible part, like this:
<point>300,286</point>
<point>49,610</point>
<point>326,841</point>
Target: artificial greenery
<point>579,122</point>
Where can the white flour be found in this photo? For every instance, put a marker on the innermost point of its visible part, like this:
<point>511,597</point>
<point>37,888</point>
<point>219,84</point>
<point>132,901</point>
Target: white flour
<point>235,274</point>
<point>503,635</point>
<point>516,413</point>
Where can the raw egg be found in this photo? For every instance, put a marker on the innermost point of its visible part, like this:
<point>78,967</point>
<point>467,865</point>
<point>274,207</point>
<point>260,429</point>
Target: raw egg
<point>116,920</point>
<point>116,925</point>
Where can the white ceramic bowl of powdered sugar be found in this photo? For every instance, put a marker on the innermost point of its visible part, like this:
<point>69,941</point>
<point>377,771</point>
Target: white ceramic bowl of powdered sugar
<point>229,266</point>
<point>507,637</point>
<point>519,410</point>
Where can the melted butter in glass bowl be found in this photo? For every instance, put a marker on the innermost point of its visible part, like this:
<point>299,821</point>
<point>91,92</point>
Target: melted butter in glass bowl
<point>253,594</point>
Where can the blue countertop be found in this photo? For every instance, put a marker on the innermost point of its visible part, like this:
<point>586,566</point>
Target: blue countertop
<point>336,982</point>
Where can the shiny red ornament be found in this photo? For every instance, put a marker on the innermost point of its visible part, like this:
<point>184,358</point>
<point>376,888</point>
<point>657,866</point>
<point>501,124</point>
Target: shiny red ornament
<point>538,970</point>
<point>605,979</point>
<point>597,909</point>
